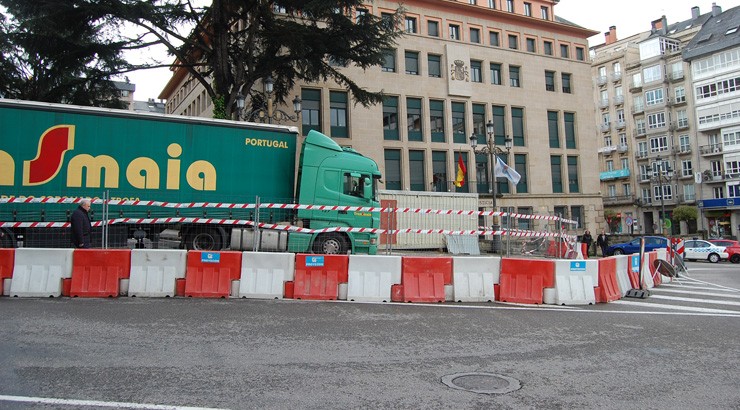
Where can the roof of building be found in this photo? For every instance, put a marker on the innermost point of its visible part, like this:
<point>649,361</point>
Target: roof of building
<point>717,34</point>
<point>124,85</point>
<point>148,106</point>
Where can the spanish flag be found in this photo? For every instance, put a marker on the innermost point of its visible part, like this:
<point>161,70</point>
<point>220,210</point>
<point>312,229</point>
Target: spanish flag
<point>461,171</point>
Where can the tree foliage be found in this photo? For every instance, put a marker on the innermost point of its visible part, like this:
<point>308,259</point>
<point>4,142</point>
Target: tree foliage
<point>232,45</point>
<point>59,51</point>
<point>685,213</point>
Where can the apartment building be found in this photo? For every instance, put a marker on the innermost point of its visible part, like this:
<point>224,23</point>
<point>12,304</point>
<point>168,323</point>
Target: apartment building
<point>714,56</point>
<point>460,65</point>
<point>649,145</point>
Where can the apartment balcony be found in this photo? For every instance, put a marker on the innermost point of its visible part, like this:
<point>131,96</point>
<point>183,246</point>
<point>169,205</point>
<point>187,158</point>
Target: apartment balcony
<point>621,125</point>
<point>638,109</point>
<point>679,101</point>
<point>601,80</point>
<point>604,103</point>
<point>622,148</point>
<point>619,100</point>
<point>608,150</point>
<point>674,76</point>
<point>616,77</point>
<point>640,155</point>
<point>639,133</point>
<point>682,150</point>
<point>711,150</point>
<point>605,127</point>
<point>618,199</point>
<point>645,178</point>
<point>636,86</point>
<point>614,174</point>
<point>682,125</point>
<point>732,176</point>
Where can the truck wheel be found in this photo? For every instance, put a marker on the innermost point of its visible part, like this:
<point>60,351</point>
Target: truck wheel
<point>204,240</point>
<point>713,257</point>
<point>331,244</point>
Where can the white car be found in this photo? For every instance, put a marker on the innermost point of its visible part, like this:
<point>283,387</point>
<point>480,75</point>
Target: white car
<point>698,249</point>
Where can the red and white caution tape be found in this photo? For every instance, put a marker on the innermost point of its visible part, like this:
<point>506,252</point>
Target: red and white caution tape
<point>221,205</point>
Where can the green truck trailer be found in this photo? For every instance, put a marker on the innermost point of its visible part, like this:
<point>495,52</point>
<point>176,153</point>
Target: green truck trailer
<point>53,150</point>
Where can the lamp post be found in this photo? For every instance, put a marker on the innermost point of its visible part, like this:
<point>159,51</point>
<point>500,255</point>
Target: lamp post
<point>668,176</point>
<point>491,150</point>
<point>266,110</point>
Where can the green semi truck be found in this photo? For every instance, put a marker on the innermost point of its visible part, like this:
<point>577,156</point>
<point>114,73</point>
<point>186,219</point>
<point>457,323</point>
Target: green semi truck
<point>54,150</point>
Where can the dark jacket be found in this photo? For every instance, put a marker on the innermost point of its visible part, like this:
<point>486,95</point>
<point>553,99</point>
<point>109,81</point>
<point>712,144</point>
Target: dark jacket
<point>81,228</point>
<point>586,238</point>
<point>602,240</point>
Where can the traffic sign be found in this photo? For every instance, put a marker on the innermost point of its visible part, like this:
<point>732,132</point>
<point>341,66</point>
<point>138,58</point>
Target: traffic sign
<point>628,220</point>
<point>667,223</point>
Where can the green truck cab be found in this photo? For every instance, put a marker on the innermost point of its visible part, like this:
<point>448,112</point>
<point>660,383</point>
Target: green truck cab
<point>54,150</point>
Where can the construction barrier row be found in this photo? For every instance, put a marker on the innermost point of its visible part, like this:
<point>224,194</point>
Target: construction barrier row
<point>30,272</point>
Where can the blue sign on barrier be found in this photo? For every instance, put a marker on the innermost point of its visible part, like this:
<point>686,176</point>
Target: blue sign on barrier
<point>635,263</point>
<point>578,266</point>
<point>210,257</point>
<point>314,261</point>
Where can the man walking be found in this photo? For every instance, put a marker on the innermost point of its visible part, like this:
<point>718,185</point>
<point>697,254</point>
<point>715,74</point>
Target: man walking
<point>81,226</point>
<point>603,242</point>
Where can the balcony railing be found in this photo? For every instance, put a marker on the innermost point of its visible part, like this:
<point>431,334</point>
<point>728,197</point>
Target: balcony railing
<point>640,132</point>
<point>636,86</point>
<point>601,80</point>
<point>607,150</point>
<point>605,127</point>
<point>682,124</point>
<point>675,75</point>
<point>622,147</point>
<point>604,103</point>
<point>641,155</point>
<point>617,76</point>
<point>618,100</point>
<point>621,125</point>
<point>686,149</point>
<point>638,109</point>
<point>618,199</point>
<point>711,149</point>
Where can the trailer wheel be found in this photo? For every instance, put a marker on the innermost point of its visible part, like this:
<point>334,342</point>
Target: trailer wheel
<point>204,240</point>
<point>331,244</point>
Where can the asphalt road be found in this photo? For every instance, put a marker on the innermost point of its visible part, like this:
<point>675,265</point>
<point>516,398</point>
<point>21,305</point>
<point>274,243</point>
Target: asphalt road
<point>678,349</point>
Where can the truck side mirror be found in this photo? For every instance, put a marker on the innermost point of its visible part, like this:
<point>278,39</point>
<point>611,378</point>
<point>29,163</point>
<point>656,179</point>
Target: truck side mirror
<point>368,188</point>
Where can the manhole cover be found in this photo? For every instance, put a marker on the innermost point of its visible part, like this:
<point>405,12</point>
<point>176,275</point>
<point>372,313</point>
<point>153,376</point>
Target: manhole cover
<point>482,383</point>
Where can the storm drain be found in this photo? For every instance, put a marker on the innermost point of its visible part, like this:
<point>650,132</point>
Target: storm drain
<point>482,383</point>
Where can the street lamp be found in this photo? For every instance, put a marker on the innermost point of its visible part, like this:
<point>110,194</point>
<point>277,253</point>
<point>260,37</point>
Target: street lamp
<point>661,178</point>
<point>491,150</point>
<point>265,109</point>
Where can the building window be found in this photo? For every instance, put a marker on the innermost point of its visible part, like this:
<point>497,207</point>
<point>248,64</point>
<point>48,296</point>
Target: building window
<point>687,169</point>
<point>680,93</point>
<point>531,45</point>
<point>684,143</point>
<point>569,120</point>
<point>510,6</point>
<point>556,170</point>
<point>475,35</point>
<point>499,124</point>
<point>514,76</point>
<point>411,24</point>
<point>494,38</point>
<point>389,61</point>
<point>360,14</point>
<point>573,185</point>
<point>310,110</point>
<point>413,119</point>
<point>492,4</point>
<point>475,72</point>
<point>667,193</point>
<point>435,66</point>
<point>513,42</point>
<point>387,19</point>
<point>412,62</point>
<point>682,120</point>
<point>659,144</point>
<point>652,73</point>
<point>517,126</point>
<point>528,9</point>
<point>564,50</point>
<point>550,80</point>
<point>433,28</point>
<point>392,174</point>
<point>580,54</point>
<point>656,120</point>
<point>416,170</point>
<point>338,114</point>
<point>439,171</point>
<point>520,166</point>
<point>437,120</point>
<point>545,13</point>
<point>610,165</point>
<point>479,121</point>
<point>548,47</point>
<point>454,32</point>
<point>566,83</point>
<point>553,129</point>
<point>654,97</point>
<point>496,73</point>
<point>459,134</point>
<point>390,118</point>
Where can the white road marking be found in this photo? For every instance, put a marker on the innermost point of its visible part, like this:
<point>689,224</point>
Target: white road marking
<point>691,286</point>
<point>691,292</point>
<point>680,299</point>
<point>676,307</point>
<point>97,403</point>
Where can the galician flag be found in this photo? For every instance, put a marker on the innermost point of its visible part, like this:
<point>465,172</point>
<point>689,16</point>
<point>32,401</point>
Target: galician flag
<point>461,171</point>
<point>503,170</point>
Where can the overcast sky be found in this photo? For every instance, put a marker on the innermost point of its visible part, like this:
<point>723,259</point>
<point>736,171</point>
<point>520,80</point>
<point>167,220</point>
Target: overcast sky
<point>630,17</point>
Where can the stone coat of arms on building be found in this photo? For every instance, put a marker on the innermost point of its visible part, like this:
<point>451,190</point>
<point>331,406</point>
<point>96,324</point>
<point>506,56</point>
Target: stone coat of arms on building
<point>459,71</point>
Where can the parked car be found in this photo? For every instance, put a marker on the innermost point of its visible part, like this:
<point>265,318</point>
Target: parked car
<point>651,243</point>
<point>731,247</point>
<point>699,249</point>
